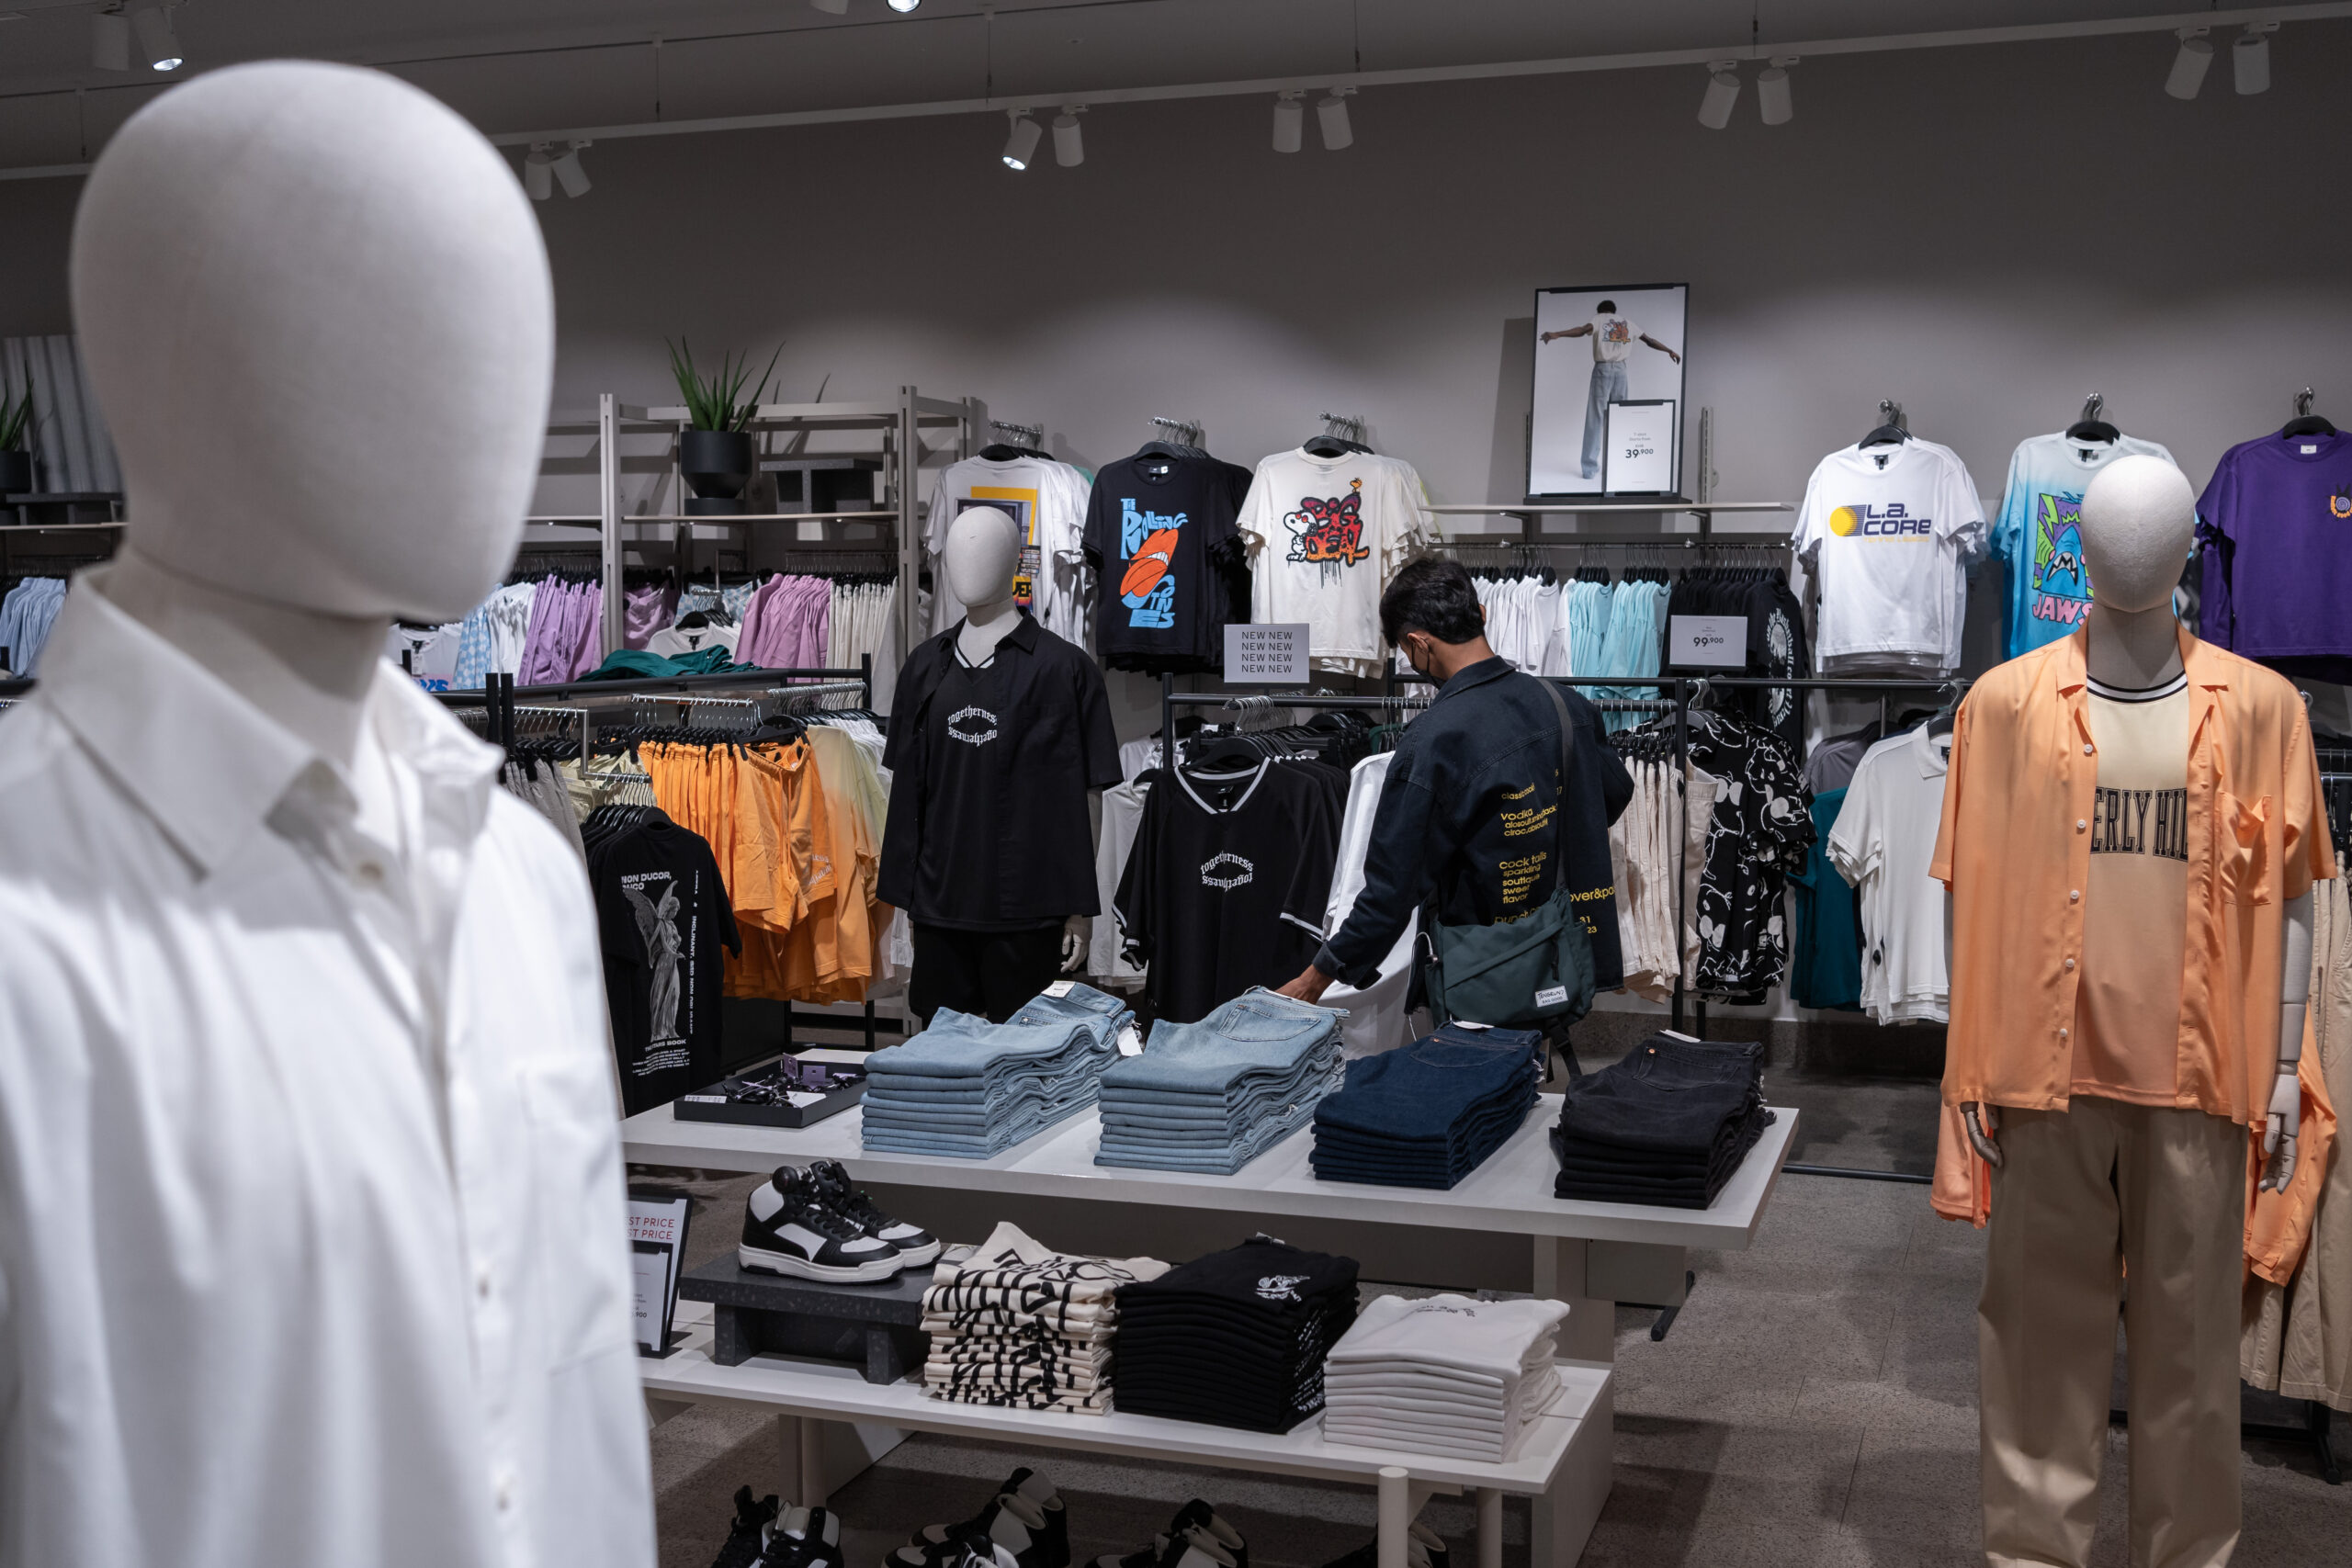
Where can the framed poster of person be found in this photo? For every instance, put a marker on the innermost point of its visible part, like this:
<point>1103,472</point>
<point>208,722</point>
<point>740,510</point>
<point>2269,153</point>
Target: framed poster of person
<point>1597,348</point>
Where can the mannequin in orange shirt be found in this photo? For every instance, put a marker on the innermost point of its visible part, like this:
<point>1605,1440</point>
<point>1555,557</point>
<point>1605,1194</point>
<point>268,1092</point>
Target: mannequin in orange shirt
<point>2138,522</point>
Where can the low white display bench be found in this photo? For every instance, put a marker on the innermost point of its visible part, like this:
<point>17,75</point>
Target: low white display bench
<point>1553,1464</point>
<point>1590,1256</point>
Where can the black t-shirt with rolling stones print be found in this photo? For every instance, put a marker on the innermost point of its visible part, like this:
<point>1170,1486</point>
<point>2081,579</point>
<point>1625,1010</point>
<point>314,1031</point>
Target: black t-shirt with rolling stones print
<point>1160,538</point>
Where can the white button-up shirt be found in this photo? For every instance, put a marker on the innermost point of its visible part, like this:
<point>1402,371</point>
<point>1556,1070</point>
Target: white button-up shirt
<point>312,1247</point>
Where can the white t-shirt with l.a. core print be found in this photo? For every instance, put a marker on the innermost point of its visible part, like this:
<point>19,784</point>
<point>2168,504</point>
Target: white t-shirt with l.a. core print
<point>1887,532</point>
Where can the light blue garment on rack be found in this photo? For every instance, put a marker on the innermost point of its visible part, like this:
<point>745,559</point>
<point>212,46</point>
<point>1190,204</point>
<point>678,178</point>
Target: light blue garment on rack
<point>25,615</point>
<point>475,650</point>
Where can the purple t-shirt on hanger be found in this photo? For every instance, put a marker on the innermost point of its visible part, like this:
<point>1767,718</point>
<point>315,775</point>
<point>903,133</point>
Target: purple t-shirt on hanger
<point>2275,522</point>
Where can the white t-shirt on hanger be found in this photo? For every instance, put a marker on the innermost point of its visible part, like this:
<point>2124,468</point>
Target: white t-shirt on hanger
<point>1887,532</point>
<point>1047,499</point>
<point>1325,535</point>
<point>1884,840</point>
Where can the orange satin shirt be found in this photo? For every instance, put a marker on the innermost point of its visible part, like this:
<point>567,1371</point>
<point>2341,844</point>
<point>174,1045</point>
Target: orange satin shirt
<point>2015,851</point>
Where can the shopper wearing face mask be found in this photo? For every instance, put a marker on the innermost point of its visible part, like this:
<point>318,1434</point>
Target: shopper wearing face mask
<point>1476,823</point>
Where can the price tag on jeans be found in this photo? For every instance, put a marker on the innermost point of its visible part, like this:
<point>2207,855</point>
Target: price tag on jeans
<point>1059,988</point>
<point>1130,1043</point>
<point>1465,1023</point>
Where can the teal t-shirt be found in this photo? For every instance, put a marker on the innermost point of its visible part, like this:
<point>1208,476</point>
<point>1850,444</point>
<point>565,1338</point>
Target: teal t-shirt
<point>1825,969</point>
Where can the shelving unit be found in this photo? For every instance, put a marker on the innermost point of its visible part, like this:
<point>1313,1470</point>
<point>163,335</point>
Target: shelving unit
<point>1530,514</point>
<point>898,427</point>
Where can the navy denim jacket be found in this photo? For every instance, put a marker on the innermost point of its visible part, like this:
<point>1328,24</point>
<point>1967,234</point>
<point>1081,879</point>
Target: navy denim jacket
<point>1475,824</point>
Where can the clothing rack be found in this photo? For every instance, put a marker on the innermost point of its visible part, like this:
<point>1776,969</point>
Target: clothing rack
<point>1033,435</point>
<point>1181,431</point>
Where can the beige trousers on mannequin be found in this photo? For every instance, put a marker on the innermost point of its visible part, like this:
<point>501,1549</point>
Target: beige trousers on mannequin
<point>2082,1194</point>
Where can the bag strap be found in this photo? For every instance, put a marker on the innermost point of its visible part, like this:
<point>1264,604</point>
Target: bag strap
<point>1567,729</point>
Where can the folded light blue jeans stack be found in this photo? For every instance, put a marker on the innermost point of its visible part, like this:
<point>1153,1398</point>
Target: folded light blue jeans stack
<point>1212,1096</point>
<point>970,1089</point>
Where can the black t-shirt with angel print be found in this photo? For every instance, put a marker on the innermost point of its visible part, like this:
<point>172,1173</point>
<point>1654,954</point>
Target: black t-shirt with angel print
<point>662,914</point>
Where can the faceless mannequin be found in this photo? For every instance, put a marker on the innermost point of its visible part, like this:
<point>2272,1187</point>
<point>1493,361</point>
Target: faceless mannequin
<point>982,556</point>
<point>2139,519</point>
<point>334,413</point>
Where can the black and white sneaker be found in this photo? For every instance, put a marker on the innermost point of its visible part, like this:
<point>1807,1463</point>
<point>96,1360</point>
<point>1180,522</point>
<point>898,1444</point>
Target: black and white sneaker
<point>1026,1520</point>
<point>788,1228</point>
<point>1195,1537</point>
<point>915,1246</point>
<point>750,1535</point>
<point>804,1538</point>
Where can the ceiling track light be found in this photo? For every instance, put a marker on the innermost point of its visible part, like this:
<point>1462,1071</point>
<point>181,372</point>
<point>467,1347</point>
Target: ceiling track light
<point>1773,104</point>
<point>903,6</point>
<point>548,165</point>
<point>1331,118</point>
<point>109,40</point>
<point>1290,121</point>
<point>2188,66</point>
<point>2250,59</point>
<point>1722,92</point>
<point>160,48</point>
<point>1019,147</point>
<point>1070,142</point>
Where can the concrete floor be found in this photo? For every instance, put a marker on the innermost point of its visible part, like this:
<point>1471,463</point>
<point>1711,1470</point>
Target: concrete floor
<point>1813,1404</point>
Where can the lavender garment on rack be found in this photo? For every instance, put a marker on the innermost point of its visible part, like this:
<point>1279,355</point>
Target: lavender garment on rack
<point>784,625</point>
<point>751,625</point>
<point>587,641</point>
<point>545,655</point>
<point>649,609</point>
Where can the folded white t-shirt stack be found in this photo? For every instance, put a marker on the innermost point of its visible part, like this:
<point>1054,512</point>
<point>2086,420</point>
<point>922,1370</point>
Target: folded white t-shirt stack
<point>1441,1375</point>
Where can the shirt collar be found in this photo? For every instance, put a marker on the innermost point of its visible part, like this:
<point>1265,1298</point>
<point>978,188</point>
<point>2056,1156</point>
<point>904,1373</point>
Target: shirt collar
<point>2207,670</point>
<point>1023,635</point>
<point>197,757</point>
<point>1476,675</point>
<point>1933,760</point>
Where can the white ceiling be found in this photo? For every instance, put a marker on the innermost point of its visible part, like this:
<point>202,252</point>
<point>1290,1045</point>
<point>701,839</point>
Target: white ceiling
<point>528,64</point>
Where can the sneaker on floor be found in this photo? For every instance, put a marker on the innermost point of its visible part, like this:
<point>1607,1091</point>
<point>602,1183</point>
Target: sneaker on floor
<point>804,1538</point>
<point>1195,1537</point>
<point>1025,1519</point>
<point>749,1534</point>
<point>915,1246</point>
<point>788,1228</point>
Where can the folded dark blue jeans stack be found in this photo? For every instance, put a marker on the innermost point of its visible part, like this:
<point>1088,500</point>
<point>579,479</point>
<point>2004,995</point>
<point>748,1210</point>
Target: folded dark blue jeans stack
<point>1428,1114</point>
<point>1665,1126</point>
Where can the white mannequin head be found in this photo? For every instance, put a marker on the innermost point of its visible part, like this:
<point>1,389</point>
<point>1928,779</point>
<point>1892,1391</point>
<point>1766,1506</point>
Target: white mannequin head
<point>316,310</point>
<point>2139,519</point>
<point>983,552</point>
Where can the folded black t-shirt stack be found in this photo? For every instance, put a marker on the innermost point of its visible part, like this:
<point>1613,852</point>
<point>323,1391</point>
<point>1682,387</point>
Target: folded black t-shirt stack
<point>1235,1338</point>
<point>1668,1125</point>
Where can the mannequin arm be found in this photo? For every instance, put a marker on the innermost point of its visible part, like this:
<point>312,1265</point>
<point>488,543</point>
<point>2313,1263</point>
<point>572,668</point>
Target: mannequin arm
<point>1983,1130</point>
<point>1075,931</point>
<point>2283,1124</point>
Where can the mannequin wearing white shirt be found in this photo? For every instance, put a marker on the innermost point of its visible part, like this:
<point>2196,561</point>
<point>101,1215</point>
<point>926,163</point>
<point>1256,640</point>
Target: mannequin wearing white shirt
<point>2139,518</point>
<point>982,556</point>
<point>342,1289</point>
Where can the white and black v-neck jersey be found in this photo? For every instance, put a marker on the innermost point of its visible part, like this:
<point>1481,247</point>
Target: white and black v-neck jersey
<point>989,828</point>
<point>1227,882</point>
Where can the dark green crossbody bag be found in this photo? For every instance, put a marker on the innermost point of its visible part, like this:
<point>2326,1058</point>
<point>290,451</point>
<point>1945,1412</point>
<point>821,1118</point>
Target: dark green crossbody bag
<point>1517,974</point>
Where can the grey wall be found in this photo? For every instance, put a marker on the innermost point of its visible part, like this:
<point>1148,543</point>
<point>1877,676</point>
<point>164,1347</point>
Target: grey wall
<point>1984,233</point>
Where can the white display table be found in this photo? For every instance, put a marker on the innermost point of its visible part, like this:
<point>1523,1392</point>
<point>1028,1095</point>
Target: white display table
<point>1590,1256</point>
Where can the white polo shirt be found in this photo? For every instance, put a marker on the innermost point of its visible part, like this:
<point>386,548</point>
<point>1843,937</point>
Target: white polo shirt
<point>1885,837</point>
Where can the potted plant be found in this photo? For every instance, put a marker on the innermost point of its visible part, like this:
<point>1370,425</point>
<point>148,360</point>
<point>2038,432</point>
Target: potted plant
<point>15,444</point>
<point>715,452</point>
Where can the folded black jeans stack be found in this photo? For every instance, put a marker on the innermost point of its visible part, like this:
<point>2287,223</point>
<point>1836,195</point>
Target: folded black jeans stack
<point>1428,1114</point>
<point>1668,1125</point>
<point>1235,1338</point>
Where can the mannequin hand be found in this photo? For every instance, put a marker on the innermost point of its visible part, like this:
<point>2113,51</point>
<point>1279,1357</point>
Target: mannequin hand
<point>1984,1128</point>
<point>1308,987</point>
<point>1075,932</point>
<point>2280,1130</point>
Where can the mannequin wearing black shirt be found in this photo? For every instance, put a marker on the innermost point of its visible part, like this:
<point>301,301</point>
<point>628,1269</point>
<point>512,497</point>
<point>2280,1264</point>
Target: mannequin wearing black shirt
<point>998,730</point>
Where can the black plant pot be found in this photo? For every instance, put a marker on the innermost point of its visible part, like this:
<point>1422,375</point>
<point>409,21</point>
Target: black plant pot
<point>15,473</point>
<point>717,464</point>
